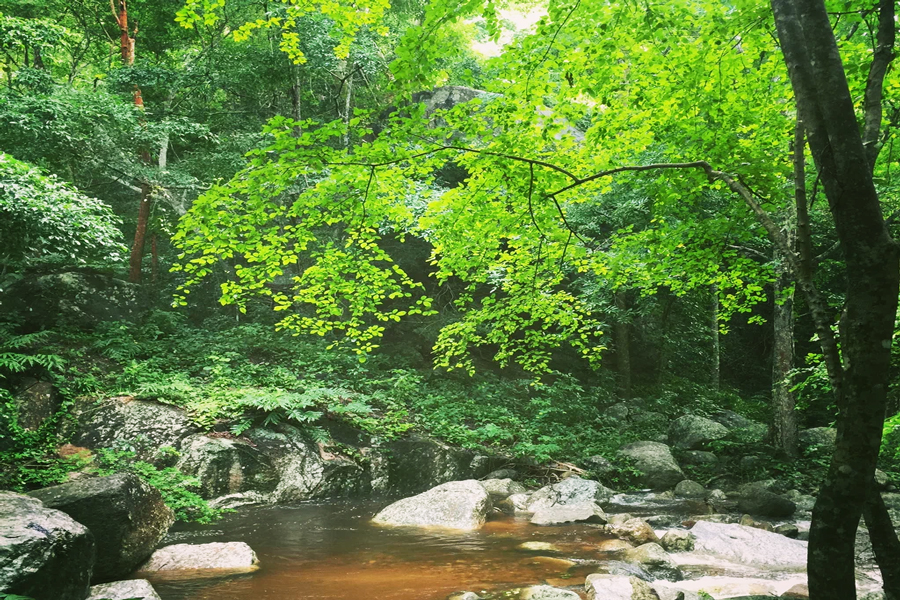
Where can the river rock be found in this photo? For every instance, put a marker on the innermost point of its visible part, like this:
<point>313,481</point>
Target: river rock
<point>132,589</point>
<point>677,540</point>
<point>822,438</point>
<point>538,547</point>
<point>657,561</point>
<point>748,546</point>
<point>654,460</point>
<point>699,458</point>
<point>690,489</point>
<point>600,586</point>
<point>516,504</point>
<point>691,431</point>
<point>797,592</point>
<point>44,553</point>
<point>570,491</point>
<point>127,420</point>
<point>635,530</point>
<point>232,556</point>
<point>127,517</point>
<point>748,588</point>
<point>546,592</point>
<point>226,466</point>
<point>667,592</point>
<point>502,488</point>
<point>460,505</point>
<point>763,503</point>
<point>568,513</point>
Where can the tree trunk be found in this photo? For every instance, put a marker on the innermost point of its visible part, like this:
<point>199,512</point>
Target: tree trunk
<point>873,275</point>
<point>784,420</point>
<point>140,235</point>
<point>623,345</point>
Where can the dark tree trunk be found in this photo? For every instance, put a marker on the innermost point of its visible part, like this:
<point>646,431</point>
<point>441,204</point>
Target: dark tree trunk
<point>140,235</point>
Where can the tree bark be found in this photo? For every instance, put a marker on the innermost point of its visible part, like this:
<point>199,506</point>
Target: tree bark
<point>784,420</point>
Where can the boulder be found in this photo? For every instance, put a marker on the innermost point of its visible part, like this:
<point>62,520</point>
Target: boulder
<point>821,438</point>
<point>670,592</point>
<point>748,546</point>
<point>654,559</point>
<point>689,489</point>
<point>797,592</point>
<point>462,505</point>
<point>744,429</point>
<point>500,489</point>
<point>635,530</point>
<point>44,553</point>
<point>788,530</point>
<point>600,586</point>
<point>645,420</point>
<point>763,503</point>
<point>570,491</point>
<point>133,589</point>
<point>658,468</point>
<point>419,463</point>
<point>618,411</point>
<point>691,431</point>
<point>568,513</point>
<point>546,592</point>
<point>36,401</point>
<point>745,588</point>
<point>143,424</point>
<point>226,466</point>
<point>127,517</point>
<point>515,504</point>
<point>677,540</point>
<point>503,474</point>
<point>699,458</point>
<point>231,556</point>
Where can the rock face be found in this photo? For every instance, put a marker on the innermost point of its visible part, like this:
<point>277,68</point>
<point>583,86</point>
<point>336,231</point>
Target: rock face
<point>690,432</point>
<point>462,505</point>
<point>226,466</point>
<point>576,513</point>
<point>127,517</point>
<point>232,556</point>
<point>569,492</point>
<point>44,553</point>
<point>654,460</point>
<point>616,587</point>
<point>419,463</point>
<point>36,401</point>
<point>761,502</point>
<point>500,489</point>
<point>748,546</point>
<point>132,589</point>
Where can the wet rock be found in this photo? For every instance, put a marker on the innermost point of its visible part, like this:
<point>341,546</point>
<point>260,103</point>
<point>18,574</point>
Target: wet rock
<point>36,401</point>
<point>635,530</point>
<point>133,589</point>
<point>748,546</point>
<point>538,546</point>
<point>613,545</point>
<point>690,432</point>
<point>690,489</point>
<point>226,466</point>
<point>146,425</point>
<point>231,556</point>
<point>618,518</point>
<point>546,592</point>
<point>127,517</point>
<point>44,553</point>
<point>516,504</point>
<point>464,596</point>
<point>657,561</point>
<point>500,489</point>
<point>820,438</point>
<point>570,491</point>
<point>626,569</point>
<point>600,586</point>
<point>677,540</point>
<point>761,502</point>
<point>240,499</point>
<point>462,505</point>
<point>569,513</point>
<point>659,470</point>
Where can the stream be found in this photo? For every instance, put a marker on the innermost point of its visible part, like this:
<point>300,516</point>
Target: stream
<point>332,552</point>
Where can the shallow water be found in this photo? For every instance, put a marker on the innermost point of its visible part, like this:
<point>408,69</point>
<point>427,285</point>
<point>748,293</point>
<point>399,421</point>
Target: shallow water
<point>333,552</point>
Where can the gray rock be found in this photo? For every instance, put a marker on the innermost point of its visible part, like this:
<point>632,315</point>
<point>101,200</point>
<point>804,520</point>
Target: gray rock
<point>44,553</point>
<point>462,505</point>
<point>618,518</point>
<point>599,465</point>
<point>131,589</point>
<point>516,504</point>
<point>666,592</point>
<point>619,411</point>
<point>231,556</point>
<point>677,540</point>
<point>127,517</point>
<point>761,502</point>
<point>546,592</point>
<point>600,586</point>
<point>569,491</point>
<point>821,438</point>
<point>689,489</point>
<point>635,530</point>
<point>240,499</point>
<point>748,546</point>
<point>744,429</point>
<point>36,401</point>
<point>503,474</point>
<point>568,513</point>
<point>226,466</point>
<point>657,561</point>
<point>418,463</point>
<point>690,432</point>
<point>538,547</point>
<point>500,489</point>
<point>654,460</point>
<point>699,458</point>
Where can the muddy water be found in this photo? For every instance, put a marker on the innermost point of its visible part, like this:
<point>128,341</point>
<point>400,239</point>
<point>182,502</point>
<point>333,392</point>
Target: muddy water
<point>332,552</point>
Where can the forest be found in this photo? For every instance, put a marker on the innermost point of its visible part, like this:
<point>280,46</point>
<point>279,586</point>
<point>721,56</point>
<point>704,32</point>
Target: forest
<point>537,233</point>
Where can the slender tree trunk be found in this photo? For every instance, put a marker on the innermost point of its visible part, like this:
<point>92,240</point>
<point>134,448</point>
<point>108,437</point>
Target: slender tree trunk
<point>623,345</point>
<point>715,362</point>
<point>784,420</point>
<point>140,235</point>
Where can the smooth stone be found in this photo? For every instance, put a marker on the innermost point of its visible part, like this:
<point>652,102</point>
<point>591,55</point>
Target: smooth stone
<point>558,515</point>
<point>132,589</point>
<point>748,546</point>
<point>656,560</point>
<point>569,491</point>
<point>600,586</point>
<point>654,460</point>
<point>462,505</point>
<point>635,530</point>
<point>234,556</point>
<point>538,546</point>
<point>546,592</point>
<point>689,489</point>
<point>677,540</point>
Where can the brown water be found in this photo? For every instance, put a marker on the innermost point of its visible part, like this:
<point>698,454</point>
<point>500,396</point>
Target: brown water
<point>332,552</point>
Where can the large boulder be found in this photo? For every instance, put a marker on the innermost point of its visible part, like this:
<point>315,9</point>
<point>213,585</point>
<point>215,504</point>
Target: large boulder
<point>132,589</point>
<point>417,463</point>
<point>741,427</point>
<point>569,492</point>
<point>143,424</point>
<point>821,438</point>
<point>600,586</point>
<point>44,553</point>
<point>462,505</point>
<point>748,545</point>
<point>654,460</point>
<point>690,489</point>
<point>691,432</point>
<point>568,513</point>
<point>655,560</point>
<point>761,502</point>
<point>226,466</point>
<point>634,529</point>
<point>127,517</point>
<point>677,540</point>
<point>230,556</point>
